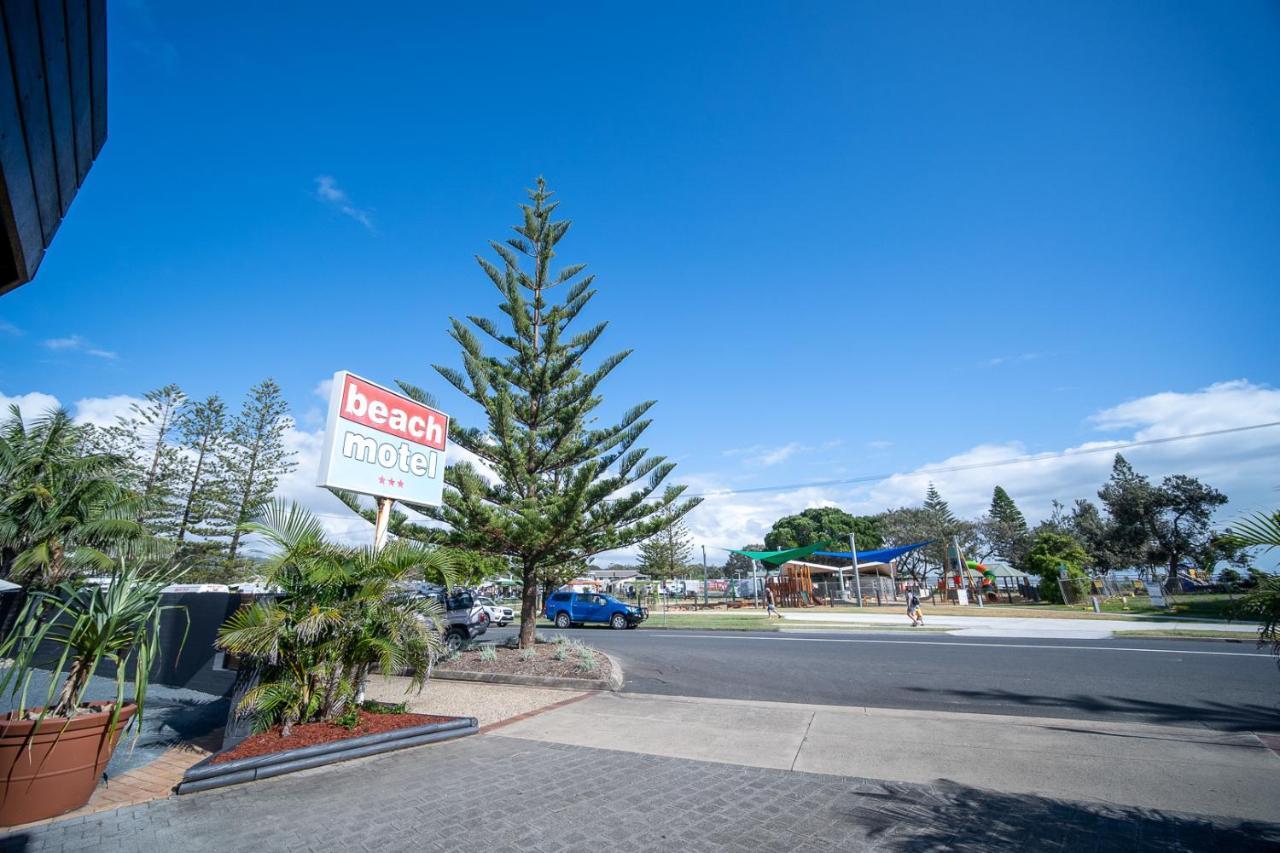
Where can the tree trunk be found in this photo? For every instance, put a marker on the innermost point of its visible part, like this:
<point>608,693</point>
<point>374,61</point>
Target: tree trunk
<point>68,697</point>
<point>191,493</point>
<point>244,501</point>
<point>528,605</point>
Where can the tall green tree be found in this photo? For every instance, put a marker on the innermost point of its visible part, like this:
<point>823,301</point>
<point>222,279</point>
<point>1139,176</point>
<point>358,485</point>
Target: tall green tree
<point>823,524</point>
<point>1095,532</point>
<point>568,489</point>
<point>906,526</point>
<point>146,438</point>
<point>202,428</point>
<point>1130,501</point>
<point>1049,554</point>
<point>63,511</point>
<point>1004,530</point>
<point>945,526</point>
<point>1181,526</point>
<point>737,564</point>
<point>668,552</point>
<point>253,460</point>
<point>1167,525</point>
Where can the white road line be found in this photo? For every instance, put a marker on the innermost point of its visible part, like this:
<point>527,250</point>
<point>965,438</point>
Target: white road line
<point>1262,655</point>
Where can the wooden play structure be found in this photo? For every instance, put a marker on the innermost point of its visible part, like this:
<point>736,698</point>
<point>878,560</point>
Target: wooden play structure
<point>794,587</point>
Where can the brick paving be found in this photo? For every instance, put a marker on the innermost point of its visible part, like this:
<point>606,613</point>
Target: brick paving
<point>496,793</point>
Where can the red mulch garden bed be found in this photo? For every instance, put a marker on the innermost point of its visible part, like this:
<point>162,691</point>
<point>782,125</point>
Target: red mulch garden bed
<point>311,734</point>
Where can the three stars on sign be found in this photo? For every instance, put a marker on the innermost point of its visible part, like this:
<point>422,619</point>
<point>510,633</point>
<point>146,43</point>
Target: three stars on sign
<point>387,481</point>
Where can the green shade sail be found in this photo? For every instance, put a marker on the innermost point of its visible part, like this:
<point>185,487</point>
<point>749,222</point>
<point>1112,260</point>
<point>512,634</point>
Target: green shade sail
<point>777,558</point>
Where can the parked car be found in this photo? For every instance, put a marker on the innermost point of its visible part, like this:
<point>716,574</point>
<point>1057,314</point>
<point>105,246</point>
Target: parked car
<point>465,619</point>
<point>499,615</point>
<point>567,608</point>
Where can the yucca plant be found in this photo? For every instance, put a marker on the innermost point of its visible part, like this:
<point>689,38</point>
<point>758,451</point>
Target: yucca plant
<point>342,611</point>
<point>87,626</point>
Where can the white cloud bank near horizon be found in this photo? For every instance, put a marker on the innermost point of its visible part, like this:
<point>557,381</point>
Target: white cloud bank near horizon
<point>1242,465</point>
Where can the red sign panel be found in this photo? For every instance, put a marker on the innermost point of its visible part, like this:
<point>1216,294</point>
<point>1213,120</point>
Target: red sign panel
<point>382,410</point>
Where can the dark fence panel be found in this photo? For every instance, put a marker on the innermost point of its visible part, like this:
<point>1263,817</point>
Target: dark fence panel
<point>193,667</point>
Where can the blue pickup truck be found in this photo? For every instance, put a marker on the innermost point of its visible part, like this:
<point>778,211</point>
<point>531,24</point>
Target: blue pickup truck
<point>575,608</point>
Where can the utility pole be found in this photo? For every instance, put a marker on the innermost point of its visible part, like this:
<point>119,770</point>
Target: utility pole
<point>704,577</point>
<point>857,576</point>
<point>755,583</point>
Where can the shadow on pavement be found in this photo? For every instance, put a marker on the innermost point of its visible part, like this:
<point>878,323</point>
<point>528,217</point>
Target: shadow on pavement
<point>954,817</point>
<point>1217,715</point>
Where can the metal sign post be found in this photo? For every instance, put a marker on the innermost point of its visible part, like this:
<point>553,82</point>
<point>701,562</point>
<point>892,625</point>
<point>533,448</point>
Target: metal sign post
<point>380,526</point>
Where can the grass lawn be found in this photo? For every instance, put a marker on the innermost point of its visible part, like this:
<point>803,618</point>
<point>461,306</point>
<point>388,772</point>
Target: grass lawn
<point>1239,636</point>
<point>1206,606</point>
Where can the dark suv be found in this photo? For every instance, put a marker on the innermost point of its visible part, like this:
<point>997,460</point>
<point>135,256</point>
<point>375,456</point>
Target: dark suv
<point>465,619</point>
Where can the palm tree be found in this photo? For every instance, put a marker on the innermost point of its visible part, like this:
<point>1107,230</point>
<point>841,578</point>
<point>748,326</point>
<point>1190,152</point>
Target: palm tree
<point>1261,530</point>
<point>1257,531</point>
<point>62,511</point>
<point>341,612</point>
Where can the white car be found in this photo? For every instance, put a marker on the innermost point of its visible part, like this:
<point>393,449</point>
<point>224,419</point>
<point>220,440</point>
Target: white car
<point>498,614</point>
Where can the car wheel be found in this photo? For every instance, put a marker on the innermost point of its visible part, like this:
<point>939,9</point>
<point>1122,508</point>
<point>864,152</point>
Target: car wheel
<point>453,641</point>
<point>618,622</point>
<point>562,620</point>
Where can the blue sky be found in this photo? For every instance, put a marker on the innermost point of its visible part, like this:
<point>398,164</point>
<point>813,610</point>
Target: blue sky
<point>846,240</point>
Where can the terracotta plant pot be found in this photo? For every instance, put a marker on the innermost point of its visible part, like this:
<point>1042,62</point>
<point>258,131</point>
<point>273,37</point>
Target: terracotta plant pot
<point>56,770</point>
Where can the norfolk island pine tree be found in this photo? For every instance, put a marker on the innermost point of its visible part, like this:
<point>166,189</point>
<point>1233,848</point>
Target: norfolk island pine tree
<point>565,489</point>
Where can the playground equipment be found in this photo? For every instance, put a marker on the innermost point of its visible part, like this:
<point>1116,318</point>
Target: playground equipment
<point>794,586</point>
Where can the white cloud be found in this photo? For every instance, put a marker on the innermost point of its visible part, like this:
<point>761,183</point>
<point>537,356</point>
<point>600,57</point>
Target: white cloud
<point>1240,464</point>
<point>879,444</point>
<point>1011,359</point>
<point>75,343</point>
<point>328,191</point>
<point>7,328</point>
<point>103,411</point>
<point>767,456</point>
<point>32,405</point>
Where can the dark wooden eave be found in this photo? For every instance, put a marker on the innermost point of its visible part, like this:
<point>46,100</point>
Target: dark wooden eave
<point>53,121</point>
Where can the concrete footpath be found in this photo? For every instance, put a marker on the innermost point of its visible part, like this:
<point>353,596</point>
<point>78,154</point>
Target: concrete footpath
<point>1013,626</point>
<point>1189,770</point>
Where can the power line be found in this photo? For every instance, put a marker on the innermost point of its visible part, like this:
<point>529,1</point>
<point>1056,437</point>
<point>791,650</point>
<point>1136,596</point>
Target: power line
<point>1017,460</point>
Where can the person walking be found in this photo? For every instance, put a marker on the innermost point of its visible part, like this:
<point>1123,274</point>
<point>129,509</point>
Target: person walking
<point>770,609</point>
<point>913,609</point>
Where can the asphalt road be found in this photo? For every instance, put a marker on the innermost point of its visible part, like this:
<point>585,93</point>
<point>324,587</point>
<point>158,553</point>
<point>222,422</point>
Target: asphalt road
<point>1227,686</point>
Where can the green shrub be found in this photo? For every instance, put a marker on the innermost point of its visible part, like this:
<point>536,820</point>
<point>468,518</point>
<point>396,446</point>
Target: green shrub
<point>587,660</point>
<point>562,652</point>
<point>374,707</point>
<point>528,654</point>
<point>488,653</point>
<point>349,718</point>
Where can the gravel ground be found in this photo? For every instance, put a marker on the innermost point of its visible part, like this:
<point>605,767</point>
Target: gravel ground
<point>488,703</point>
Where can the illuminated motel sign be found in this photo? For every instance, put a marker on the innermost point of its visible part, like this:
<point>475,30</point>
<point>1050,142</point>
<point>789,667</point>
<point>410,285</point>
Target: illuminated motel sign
<point>381,443</point>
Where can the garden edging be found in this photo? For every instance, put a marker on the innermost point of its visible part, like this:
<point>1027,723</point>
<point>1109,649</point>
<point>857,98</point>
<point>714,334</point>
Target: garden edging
<point>206,774</point>
<point>613,682</point>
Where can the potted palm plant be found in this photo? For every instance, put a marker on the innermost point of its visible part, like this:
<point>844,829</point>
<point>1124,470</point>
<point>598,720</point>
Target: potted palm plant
<point>52,755</point>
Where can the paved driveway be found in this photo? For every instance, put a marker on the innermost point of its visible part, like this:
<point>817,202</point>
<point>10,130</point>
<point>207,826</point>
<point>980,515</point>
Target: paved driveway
<point>497,793</point>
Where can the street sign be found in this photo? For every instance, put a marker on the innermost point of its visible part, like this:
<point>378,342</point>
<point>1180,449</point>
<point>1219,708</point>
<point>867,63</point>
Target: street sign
<point>381,443</point>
